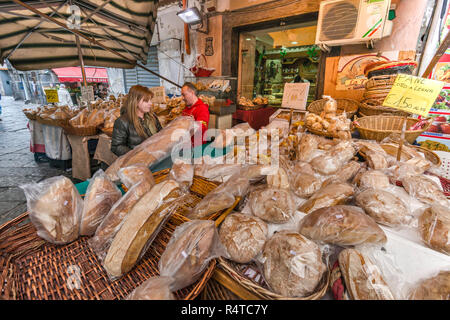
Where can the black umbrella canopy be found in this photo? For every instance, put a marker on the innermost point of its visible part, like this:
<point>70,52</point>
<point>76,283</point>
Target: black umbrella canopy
<point>111,33</point>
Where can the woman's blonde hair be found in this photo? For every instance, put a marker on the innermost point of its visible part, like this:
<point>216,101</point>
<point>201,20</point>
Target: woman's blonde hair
<point>135,95</point>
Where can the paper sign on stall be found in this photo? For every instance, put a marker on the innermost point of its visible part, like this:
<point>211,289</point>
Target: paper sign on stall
<point>413,94</point>
<point>295,96</point>
<point>87,93</point>
<point>51,95</point>
<point>159,94</point>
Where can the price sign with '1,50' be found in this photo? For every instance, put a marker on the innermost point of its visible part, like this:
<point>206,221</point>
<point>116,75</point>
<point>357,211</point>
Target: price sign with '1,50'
<point>413,94</point>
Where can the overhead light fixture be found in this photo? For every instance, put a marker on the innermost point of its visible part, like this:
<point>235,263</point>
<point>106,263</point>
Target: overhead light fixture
<point>248,39</point>
<point>294,42</point>
<point>191,16</point>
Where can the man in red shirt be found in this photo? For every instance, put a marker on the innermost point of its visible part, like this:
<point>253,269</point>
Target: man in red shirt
<point>195,107</point>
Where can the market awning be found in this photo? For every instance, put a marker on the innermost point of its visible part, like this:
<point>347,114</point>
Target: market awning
<point>73,74</point>
<point>31,42</point>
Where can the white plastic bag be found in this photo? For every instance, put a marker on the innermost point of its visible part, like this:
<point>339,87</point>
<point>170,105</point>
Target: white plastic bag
<point>54,206</point>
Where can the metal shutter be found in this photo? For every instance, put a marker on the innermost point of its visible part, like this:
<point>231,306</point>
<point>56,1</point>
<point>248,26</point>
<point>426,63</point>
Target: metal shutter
<point>142,77</point>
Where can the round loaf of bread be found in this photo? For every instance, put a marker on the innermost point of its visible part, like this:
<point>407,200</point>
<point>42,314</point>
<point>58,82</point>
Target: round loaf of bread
<point>272,204</point>
<point>374,179</point>
<point>305,185</point>
<point>279,179</point>
<point>342,225</point>
<point>384,207</point>
<point>293,265</point>
<point>243,236</point>
<point>434,227</point>
<point>425,190</point>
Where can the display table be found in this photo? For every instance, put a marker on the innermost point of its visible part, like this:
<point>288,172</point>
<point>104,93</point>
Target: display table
<point>50,140</point>
<point>255,118</point>
<point>81,163</point>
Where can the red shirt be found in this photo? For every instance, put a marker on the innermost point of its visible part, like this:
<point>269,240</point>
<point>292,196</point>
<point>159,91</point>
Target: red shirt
<point>200,112</point>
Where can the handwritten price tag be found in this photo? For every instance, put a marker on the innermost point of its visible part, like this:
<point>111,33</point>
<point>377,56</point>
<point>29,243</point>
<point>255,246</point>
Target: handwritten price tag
<point>413,94</point>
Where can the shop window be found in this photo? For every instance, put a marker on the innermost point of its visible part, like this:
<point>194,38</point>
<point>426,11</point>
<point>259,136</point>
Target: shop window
<point>272,57</point>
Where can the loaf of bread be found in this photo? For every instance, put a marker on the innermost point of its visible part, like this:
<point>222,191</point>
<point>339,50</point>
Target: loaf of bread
<point>376,160</point>
<point>345,174</point>
<point>279,179</point>
<point>183,173</point>
<point>307,147</point>
<point>374,179</point>
<point>188,252</point>
<point>154,148</point>
<point>134,174</point>
<point>272,204</point>
<point>108,228</point>
<point>328,196</point>
<point>293,265</point>
<point>383,206</point>
<point>434,288</point>
<point>302,167</point>
<point>362,277</point>
<point>54,207</point>
<point>221,198</point>
<point>305,185</point>
<point>434,227</point>
<point>155,288</point>
<point>425,190</point>
<point>342,225</point>
<point>101,195</point>
<point>140,227</point>
<point>216,172</point>
<point>243,236</point>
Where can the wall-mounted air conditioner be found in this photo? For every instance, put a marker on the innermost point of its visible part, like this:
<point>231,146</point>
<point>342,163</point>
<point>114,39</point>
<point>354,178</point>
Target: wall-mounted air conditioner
<point>344,22</point>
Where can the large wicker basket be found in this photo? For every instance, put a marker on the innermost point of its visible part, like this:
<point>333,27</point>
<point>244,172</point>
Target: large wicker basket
<point>80,131</point>
<point>33,269</point>
<point>251,108</point>
<point>374,107</point>
<point>379,127</point>
<point>348,105</point>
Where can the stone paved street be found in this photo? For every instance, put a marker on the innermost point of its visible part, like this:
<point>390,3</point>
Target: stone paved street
<point>17,164</point>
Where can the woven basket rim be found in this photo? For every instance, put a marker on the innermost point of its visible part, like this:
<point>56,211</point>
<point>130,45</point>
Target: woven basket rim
<point>267,294</point>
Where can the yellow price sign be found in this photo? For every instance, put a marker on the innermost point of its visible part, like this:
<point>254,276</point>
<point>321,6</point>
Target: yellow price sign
<point>413,94</point>
<point>51,95</point>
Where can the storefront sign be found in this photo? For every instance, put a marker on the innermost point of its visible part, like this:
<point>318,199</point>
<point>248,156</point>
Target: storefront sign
<point>159,94</point>
<point>295,96</point>
<point>413,94</point>
<point>51,95</point>
<point>87,94</point>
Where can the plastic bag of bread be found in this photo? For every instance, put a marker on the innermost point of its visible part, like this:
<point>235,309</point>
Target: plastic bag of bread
<point>334,159</point>
<point>363,279</point>
<point>330,195</point>
<point>155,288</point>
<point>243,236</point>
<point>434,227</point>
<point>222,197</point>
<point>80,119</point>
<point>157,147</point>
<point>384,207</point>
<point>292,264</point>
<point>140,227</point>
<point>216,172</point>
<point>191,247</point>
<point>375,179</point>
<point>96,118</point>
<point>54,207</point>
<point>272,204</point>
<point>342,225</point>
<point>401,170</point>
<point>376,161</point>
<point>101,195</point>
<point>433,288</point>
<point>134,174</point>
<point>279,179</point>
<point>330,105</point>
<point>346,174</point>
<point>302,167</point>
<point>307,147</point>
<point>183,173</point>
<point>305,185</point>
<point>108,228</point>
<point>424,189</point>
